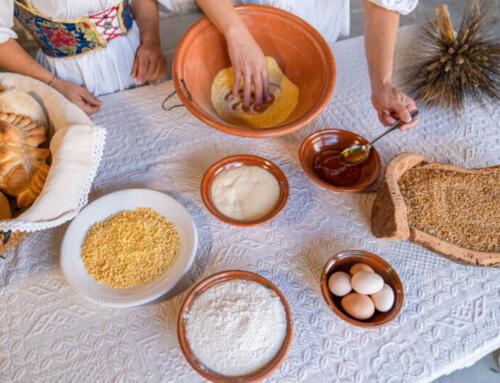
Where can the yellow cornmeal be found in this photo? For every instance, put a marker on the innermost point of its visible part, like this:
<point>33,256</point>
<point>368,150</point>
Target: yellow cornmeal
<point>130,248</point>
<point>287,98</point>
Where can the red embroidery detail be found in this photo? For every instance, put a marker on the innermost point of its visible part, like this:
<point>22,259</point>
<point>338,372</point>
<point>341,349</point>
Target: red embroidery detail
<point>59,37</point>
<point>107,16</point>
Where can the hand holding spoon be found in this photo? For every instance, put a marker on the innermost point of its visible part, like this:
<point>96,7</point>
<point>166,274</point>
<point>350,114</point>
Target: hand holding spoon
<point>356,154</point>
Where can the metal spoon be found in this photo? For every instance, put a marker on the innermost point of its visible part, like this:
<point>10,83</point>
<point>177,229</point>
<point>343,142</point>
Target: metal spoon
<point>356,154</point>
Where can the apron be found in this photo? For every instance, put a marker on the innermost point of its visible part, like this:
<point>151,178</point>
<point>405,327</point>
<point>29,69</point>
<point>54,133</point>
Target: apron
<point>70,38</point>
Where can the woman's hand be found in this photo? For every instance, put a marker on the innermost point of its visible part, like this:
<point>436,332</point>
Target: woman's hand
<point>392,104</point>
<point>249,62</point>
<point>249,65</point>
<point>149,64</point>
<point>14,59</point>
<point>381,31</point>
<point>78,95</point>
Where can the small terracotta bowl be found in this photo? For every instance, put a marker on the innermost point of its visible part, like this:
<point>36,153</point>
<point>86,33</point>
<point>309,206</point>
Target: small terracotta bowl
<point>243,160</point>
<point>205,284</point>
<point>339,139</point>
<point>300,50</point>
<point>342,262</point>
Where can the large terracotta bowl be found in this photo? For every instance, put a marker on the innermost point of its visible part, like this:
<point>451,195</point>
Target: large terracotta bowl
<point>234,162</point>
<point>343,262</point>
<point>301,52</point>
<point>203,370</point>
<point>339,139</point>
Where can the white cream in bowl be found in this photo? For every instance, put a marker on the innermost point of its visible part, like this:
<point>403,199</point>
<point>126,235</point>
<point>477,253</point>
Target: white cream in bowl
<point>245,193</point>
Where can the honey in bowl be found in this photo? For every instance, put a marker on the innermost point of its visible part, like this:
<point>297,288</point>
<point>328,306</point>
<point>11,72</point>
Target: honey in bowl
<point>354,155</point>
<point>327,167</point>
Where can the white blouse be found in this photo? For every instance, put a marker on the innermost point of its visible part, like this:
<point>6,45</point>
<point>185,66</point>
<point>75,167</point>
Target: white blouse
<point>330,17</point>
<point>103,71</point>
<point>108,70</point>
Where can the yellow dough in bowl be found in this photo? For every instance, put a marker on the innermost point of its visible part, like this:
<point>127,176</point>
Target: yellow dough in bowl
<point>283,100</point>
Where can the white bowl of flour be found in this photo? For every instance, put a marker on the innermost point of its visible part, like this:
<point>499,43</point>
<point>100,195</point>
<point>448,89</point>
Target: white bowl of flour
<point>235,326</point>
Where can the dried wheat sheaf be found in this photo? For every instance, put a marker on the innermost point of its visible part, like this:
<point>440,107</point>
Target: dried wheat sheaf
<point>449,68</point>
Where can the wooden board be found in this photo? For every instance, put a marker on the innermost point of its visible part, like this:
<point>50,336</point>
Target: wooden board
<point>389,218</point>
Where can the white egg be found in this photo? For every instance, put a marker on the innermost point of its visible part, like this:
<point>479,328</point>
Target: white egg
<point>360,267</point>
<point>366,282</point>
<point>384,299</point>
<point>340,283</point>
<point>358,306</point>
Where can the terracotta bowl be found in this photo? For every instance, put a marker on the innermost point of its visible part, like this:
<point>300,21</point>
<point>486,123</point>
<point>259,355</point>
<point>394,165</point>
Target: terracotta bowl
<point>202,286</point>
<point>301,52</point>
<point>342,262</point>
<point>234,162</point>
<point>339,139</point>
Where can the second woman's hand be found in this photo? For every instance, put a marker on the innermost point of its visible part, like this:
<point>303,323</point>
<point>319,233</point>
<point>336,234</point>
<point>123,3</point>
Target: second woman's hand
<point>149,64</point>
<point>78,95</point>
<point>392,105</point>
<point>249,65</point>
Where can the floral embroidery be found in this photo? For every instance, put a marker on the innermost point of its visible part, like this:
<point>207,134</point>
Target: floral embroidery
<point>68,38</point>
<point>59,37</point>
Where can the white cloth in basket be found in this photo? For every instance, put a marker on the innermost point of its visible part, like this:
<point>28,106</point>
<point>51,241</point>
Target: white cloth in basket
<point>76,147</point>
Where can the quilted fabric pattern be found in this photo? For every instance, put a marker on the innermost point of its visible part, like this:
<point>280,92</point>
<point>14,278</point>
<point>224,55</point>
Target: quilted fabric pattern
<point>450,318</point>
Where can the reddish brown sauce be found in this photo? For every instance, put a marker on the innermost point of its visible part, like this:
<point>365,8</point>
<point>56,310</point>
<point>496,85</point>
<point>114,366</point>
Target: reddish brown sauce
<point>327,166</point>
<point>238,102</point>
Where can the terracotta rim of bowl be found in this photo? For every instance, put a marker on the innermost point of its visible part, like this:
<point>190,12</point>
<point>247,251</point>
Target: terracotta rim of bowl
<point>204,371</point>
<point>244,160</point>
<point>347,189</point>
<point>280,130</point>
<point>395,282</point>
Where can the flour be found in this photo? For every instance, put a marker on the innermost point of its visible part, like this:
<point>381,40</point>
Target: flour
<point>236,327</point>
<point>284,99</point>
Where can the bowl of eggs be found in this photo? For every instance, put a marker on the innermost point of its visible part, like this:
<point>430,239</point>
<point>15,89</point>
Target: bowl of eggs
<point>362,289</point>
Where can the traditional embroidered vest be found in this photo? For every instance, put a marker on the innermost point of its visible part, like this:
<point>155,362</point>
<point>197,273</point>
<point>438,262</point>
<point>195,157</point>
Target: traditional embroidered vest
<point>69,38</point>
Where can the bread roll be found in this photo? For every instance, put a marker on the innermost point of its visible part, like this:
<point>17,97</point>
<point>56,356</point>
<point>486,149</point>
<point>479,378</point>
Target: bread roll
<point>5,212</point>
<point>21,103</point>
<point>22,164</point>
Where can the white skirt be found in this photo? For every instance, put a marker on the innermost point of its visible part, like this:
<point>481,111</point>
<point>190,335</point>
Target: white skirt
<point>104,71</point>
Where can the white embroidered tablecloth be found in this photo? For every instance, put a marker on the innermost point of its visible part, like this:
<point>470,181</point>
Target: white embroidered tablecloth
<point>451,313</point>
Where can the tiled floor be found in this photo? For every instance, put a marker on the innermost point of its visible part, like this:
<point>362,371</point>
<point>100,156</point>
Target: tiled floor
<point>485,370</point>
<point>172,28</point>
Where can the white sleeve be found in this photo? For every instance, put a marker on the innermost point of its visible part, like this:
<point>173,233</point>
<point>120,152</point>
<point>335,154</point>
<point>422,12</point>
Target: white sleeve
<point>166,4</point>
<point>6,20</point>
<point>402,6</point>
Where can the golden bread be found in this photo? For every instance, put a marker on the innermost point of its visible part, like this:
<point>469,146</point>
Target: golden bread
<point>22,164</point>
<point>5,212</point>
<point>23,127</point>
<point>21,103</point>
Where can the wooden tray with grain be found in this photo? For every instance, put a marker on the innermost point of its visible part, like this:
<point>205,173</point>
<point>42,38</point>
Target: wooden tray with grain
<point>450,210</point>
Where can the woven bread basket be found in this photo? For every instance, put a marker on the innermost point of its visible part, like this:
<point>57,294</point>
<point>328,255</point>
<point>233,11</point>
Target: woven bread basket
<point>10,239</point>
<point>52,195</point>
